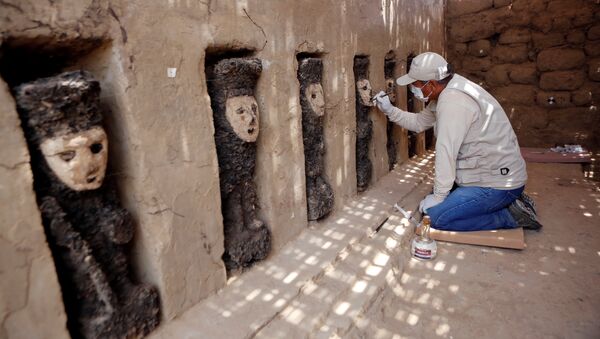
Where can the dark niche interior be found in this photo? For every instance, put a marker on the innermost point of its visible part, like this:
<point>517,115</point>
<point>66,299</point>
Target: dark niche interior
<point>410,107</point>
<point>231,80</point>
<point>389,67</point>
<point>319,194</point>
<point>364,125</point>
<point>88,231</point>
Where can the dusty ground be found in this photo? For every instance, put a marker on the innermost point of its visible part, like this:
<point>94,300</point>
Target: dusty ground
<point>549,290</point>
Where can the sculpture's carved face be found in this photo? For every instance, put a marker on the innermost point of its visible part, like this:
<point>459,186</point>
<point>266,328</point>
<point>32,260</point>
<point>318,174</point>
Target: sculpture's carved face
<point>78,159</point>
<point>364,90</point>
<point>242,114</point>
<point>314,95</point>
<point>391,89</point>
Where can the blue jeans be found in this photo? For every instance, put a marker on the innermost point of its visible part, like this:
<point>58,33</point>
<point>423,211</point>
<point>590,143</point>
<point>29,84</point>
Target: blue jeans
<point>474,209</point>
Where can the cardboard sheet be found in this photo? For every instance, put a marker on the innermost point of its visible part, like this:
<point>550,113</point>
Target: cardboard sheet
<point>511,238</point>
<point>546,155</point>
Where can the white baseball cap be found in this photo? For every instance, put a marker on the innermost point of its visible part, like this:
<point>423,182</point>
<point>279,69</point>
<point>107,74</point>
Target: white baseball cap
<point>424,67</point>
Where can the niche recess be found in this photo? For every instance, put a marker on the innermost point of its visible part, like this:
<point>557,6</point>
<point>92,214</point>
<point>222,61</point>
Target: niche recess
<point>364,125</point>
<point>231,77</point>
<point>389,67</point>
<point>319,195</point>
<point>410,107</point>
<point>87,230</point>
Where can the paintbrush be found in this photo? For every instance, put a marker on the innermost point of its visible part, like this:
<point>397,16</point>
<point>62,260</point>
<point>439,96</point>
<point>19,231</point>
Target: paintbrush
<point>385,95</point>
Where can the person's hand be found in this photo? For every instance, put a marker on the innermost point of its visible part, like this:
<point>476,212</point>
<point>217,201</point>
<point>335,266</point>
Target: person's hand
<point>382,100</point>
<point>429,201</point>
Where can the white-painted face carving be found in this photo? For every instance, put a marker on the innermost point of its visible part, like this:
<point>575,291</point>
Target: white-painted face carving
<point>391,89</point>
<point>314,95</point>
<point>364,90</point>
<point>242,114</point>
<point>78,159</point>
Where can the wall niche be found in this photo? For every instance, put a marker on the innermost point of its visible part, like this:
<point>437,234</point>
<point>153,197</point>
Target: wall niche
<point>410,107</point>
<point>231,80</point>
<point>389,67</point>
<point>319,195</point>
<point>364,125</point>
<point>88,231</point>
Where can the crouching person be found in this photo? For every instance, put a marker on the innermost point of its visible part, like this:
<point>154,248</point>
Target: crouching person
<point>477,151</point>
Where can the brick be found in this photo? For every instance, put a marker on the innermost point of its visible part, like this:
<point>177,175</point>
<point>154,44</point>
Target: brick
<point>581,97</point>
<point>594,33</point>
<point>594,69</point>
<point>523,74</point>
<point>457,8</point>
<point>476,64</point>
<point>583,19</point>
<point>460,48</point>
<point>560,59</point>
<point>535,6</point>
<point>542,23</point>
<point>516,19</point>
<point>576,37</point>
<point>510,54</point>
<point>515,35</point>
<point>542,41</point>
<point>480,48</point>
<point>564,7</point>
<point>554,99</point>
<point>592,48</point>
<point>480,25</point>
<point>497,75</point>
<point>530,116</point>
<point>501,3</point>
<point>562,80</point>
<point>561,24</point>
<point>515,95</point>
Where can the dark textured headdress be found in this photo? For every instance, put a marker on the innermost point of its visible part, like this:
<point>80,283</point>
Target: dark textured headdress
<point>361,67</point>
<point>310,70</point>
<point>65,103</point>
<point>237,76</point>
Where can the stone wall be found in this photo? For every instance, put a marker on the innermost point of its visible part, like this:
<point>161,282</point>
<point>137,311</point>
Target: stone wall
<point>541,60</point>
<point>149,57</point>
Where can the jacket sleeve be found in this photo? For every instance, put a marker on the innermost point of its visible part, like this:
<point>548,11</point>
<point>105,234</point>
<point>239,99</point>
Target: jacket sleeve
<point>416,122</point>
<point>454,121</point>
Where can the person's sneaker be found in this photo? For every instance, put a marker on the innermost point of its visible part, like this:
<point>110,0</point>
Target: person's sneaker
<point>528,202</point>
<point>524,216</point>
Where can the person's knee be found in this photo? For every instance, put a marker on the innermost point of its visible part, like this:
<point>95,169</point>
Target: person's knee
<point>439,217</point>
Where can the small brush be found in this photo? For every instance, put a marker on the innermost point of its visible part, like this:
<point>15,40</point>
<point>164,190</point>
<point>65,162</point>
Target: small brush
<point>385,95</point>
<point>406,214</point>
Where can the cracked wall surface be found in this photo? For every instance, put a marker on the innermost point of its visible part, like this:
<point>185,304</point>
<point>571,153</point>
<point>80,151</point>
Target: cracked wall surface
<point>149,57</point>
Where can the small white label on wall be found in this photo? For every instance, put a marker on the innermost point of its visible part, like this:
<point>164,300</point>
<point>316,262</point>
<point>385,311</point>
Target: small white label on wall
<point>171,72</point>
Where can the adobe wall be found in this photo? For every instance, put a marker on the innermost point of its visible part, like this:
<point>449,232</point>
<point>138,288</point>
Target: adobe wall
<point>162,149</point>
<point>540,58</point>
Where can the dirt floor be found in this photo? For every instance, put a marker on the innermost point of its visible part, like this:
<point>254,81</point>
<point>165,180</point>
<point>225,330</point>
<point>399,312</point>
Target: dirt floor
<point>549,290</point>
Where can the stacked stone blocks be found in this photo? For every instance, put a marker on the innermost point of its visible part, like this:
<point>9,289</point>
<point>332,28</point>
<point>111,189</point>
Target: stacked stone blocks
<point>540,59</point>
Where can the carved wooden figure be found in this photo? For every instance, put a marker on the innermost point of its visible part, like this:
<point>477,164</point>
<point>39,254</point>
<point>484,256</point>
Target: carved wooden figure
<point>319,194</point>
<point>364,125</point>
<point>86,227</point>
<point>390,88</point>
<point>231,85</point>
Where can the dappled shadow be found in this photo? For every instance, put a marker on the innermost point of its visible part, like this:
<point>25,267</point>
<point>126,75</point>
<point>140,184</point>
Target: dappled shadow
<point>315,276</point>
<point>548,290</point>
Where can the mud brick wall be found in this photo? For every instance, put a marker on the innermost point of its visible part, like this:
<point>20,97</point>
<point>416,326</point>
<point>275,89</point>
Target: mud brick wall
<point>150,58</point>
<point>541,60</point>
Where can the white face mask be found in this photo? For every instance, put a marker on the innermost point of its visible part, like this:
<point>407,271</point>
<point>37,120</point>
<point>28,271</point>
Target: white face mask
<point>242,114</point>
<point>78,159</point>
<point>418,93</point>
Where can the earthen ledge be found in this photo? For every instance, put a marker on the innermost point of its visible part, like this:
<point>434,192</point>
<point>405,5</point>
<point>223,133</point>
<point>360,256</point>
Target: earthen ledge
<point>325,279</point>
